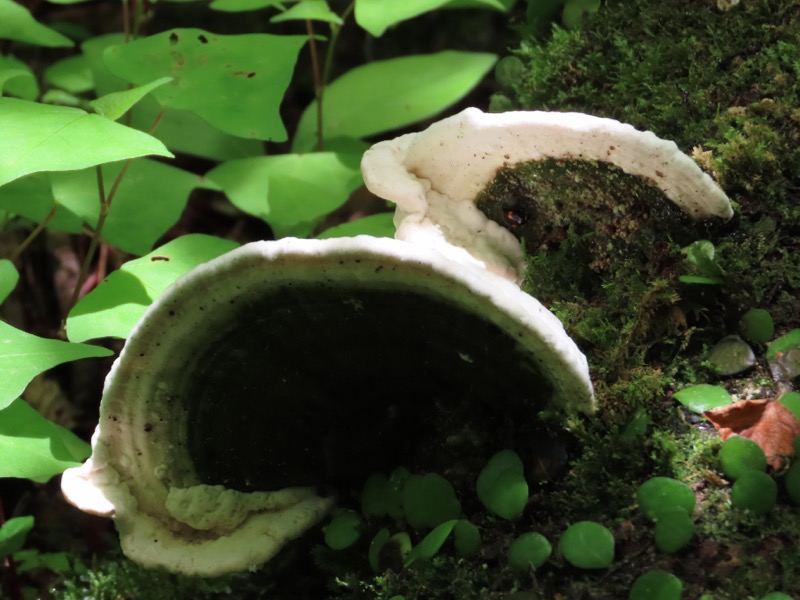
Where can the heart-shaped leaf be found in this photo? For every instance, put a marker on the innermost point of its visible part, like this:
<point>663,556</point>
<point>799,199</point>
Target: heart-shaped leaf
<point>290,191</point>
<point>18,24</point>
<point>376,16</point>
<point>148,201</point>
<point>33,447</point>
<point>388,94</point>
<point>17,79</point>
<point>71,74</point>
<point>32,197</point>
<point>23,356</point>
<point>39,137</point>
<point>312,10</point>
<point>252,69</point>
<point>114,105</point>
<point>114,307</point>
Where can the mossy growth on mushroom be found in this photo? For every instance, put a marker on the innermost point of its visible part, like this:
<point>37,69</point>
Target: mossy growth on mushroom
<point>264,380</point>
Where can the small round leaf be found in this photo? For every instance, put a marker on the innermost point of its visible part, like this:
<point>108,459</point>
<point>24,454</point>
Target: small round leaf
<point>663,493</point>
<point>429,500</point>
<point>587,545</point>
<point>792,482</point>
<point>344,530</point>
<point>656,585</point>
<point>757,326</point>
<point>702,397</point>
<point>674,529</point>
<point>466,538</point>
<point>754,491</point>
<point>739,454</point>
<point>530,550</point>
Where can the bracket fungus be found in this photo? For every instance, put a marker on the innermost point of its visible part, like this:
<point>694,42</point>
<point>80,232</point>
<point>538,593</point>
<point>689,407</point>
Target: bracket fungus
<point>285,366</point>
<point>435,176</point>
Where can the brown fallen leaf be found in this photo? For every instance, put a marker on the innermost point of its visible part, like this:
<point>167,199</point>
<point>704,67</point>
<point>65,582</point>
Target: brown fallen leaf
<point>767,422</point>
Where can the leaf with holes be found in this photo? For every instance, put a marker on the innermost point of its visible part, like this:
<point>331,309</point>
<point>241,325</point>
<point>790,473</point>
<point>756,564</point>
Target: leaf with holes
<point>114,307</point>
<point>253,70</point>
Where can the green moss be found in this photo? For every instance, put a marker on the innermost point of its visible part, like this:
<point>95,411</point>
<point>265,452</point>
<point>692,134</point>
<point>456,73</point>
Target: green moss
<point>724,86</point>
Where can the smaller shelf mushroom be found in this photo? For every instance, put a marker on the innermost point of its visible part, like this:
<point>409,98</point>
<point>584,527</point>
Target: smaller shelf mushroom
<point>435,176</point>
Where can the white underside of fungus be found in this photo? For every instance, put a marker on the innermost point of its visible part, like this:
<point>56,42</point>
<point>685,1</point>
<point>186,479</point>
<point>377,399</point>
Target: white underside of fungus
<point>435,176</point>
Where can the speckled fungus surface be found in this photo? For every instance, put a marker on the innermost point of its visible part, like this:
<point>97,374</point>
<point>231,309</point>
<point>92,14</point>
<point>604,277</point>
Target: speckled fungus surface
<point>281,367</point>
<point>436,175</point>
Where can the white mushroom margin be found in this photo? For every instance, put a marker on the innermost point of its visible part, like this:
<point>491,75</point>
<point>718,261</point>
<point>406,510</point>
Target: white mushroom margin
<point>140,472</point>
<point>435,176</point>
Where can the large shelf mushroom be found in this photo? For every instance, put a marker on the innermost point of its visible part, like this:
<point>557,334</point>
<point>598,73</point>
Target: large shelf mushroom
<point>281,367</point>
<point>284,366</point>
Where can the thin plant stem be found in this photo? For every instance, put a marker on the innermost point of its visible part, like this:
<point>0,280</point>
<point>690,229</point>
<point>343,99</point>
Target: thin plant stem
<point>33,235</point>
<point>318,85</point>
<point>126,19</point>
<point>105,206</point>
<point>335,30</point>
<point>15,591</point>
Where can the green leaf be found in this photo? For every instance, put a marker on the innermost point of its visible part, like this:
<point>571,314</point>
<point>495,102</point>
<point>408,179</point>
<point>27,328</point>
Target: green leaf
<point>148,201</point>
<point>344,530</point>
<point>656,585</point>
<point>674,529</point>
<point>587,545</point>
<point>12,535</point>
<point>376,16</point>
<point>784,343</point>
<point>501,5</point>
<point>702,397</point>
<point>466,539</point>
<point>39,137</point>
<point>312,10</point>
<point>754,491</point>
<point>18,24</point>
<point>114,307</point>
<point>378,225</point>
<point>530,550</point>
<point>429,500</point>
<point>660,494</point>
<point>17,79</point>
<point>290,191</point>
<point>501,485</point>
<point>243,5</point>
<point>72,74</point>
<point>32,197</point>
<point>34,448</point>
<point>114,105</point>
<point>739,454</point>
<point>23,356</point>
<point>375,547</point>
<point>431,543</point>
<point>253,70</point>
<point>8,278</point>
<point>701,263</point>
<point>180,130</point>
<point>388,94</point>
<point>757,326</point>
